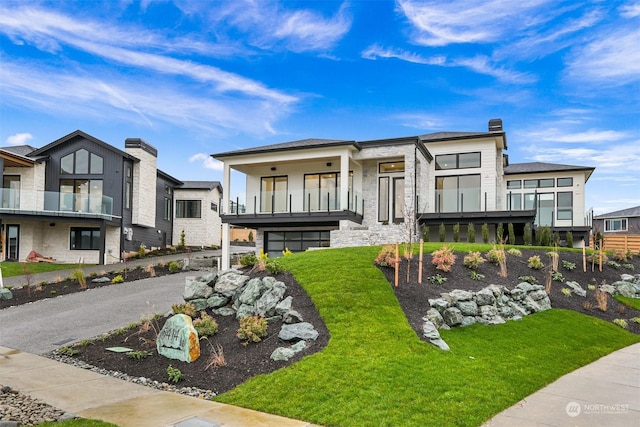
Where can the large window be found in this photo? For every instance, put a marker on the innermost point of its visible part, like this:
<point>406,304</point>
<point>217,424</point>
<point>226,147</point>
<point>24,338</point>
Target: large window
<point>458,193</point>
<point>273,194</point>
<point>295,241</point>
<point>565,206</point>
<point>81,195</point>
<point>539,183</point>
<point>11,191</point>
<point>514,201</point>
<point>188,209</point>
<point>81,162</point>
<point>391,192</point>
<point>322,191</point>
<point>458,161</point>
<point>85,238</point>
<point>615,224</point>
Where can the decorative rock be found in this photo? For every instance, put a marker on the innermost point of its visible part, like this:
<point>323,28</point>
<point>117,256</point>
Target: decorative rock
<point>434,317</point>
<point>5,294</point>
<point>468,320</point>
<point>517,310</point>
<point>460,295</point>
<point>625,289</point>
<point>526,287</point>
<point>301,331</point>
<point>496,289</point>
<point>224,311</point>
<point>266,305</point>
<point>292,316</point>
<point>518,293</point>
<point>245,310</point>
<point>200,303</point>
<point>178,339</point>
<point>485,297</point>
<point>439,304</point>
<point>282,353</point>
<point>488,311</point>
<point>230,282</point>
<point>608,289</point>
<point>217,300</point>
<point>430,331</point>
<point>452,316</point>
<point>627,278</point>
<point>101,280</point>
<point>252,291</point>
<point>284,306</point>
<point>468,308</point>
<point>575,286</point>
<point>540,294</point>
<point>194,289</point>
<point>530,305</point>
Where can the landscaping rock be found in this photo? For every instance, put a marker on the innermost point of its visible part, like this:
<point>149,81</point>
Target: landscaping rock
<point>195,289</point>
<point>468,308</point>
<point>452,316</point>
<point>576,288</point>
<point>485,297</point>
<point>434,317</point>
<point>5,294</point>
<point>266,305</point>
<point>217,301</point>
<point>300,331</point>
<point>626,289</point>
<point>430,332</point>
<point>224,311</point>
<point>284,306</point>
<point>230,282</point>
<point>292,316</point>
<point>178,339</point>
<point>101,280</point>
<point>252,291</point>
<point>200,303</point>
<point>282,353</point>
<point>460,295</point>
<point>439,304</point>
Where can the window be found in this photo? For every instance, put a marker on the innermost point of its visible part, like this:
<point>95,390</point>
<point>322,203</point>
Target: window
<point>167,209</point>
<point>295,241</point>
<point>458,193</point>
<point>127,195</point>
<point>457,161</point>
<point>565,206</point>
<point>391,192</point>
<point>565,182</point>
<point>11,191</point>
<point>539,183</point>
<point>81,162</point>
<point>273,194</point>
<point>85,238</point>
<point>391,167</point>
<point>615,224</point>
<point>322,191</point>
<point>188,209</point>
<point>81,195</point>
<point>530,183</point>
<point>214,206</point>
<point>514,201</point>
<point>383,199</point>
<point>546,183</point>
<point>514,184</point>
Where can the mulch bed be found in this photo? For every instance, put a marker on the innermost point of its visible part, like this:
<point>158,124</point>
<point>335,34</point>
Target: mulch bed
<point>243,361</point>
<point>413,297</point>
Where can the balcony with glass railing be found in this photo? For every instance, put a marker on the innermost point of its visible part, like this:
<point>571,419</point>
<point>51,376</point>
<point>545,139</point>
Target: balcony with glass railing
<point>459,200</point>
<point>295,202</point>
<point>55,203</point>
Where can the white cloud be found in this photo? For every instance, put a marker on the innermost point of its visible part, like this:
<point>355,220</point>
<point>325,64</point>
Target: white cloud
<point>19,139</point>
<point>424,122</point>
<point>591,136</point>
<point>207,161</point>
<point>630,10</point>
<point>375,51</point>
<point>465,21</point>
<point>623,160</point>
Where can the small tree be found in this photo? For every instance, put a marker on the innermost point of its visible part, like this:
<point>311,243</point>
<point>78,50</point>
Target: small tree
<point>425,233</point>
<point>181,245</point>
<point>250,236</point>
<point>527,234</point>
<point>512,234</point>
<point>499,232</point>
<point>569,239</point>
<point>456,232</point>
<point>471,233</point>
<point>442,231</point>
<point>485,233</point>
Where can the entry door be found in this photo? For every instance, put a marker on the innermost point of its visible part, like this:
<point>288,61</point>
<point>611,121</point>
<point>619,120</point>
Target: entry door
<point>13,242</point>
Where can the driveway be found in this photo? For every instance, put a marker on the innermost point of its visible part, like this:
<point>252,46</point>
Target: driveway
<point>42,326</point>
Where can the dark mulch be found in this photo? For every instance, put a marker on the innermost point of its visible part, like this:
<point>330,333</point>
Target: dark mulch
<point>413,297</point>
<point>65,286</point>
<point>242,361</point>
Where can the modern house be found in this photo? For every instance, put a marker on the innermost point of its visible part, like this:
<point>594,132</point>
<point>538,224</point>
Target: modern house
<point>79,198</point>
<point>625,221</point>
<point>197,213</point>
<point>334,193</point>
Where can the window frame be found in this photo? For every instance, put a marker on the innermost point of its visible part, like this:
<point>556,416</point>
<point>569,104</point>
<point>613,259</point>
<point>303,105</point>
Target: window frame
<point>75,234</point>
<point>564,209</point>
<point>439,163</point>
<point>91,163</point>
<point>512,186</point>
<point>183,208</point>
<point>624,225</point>
<point>559,180</point>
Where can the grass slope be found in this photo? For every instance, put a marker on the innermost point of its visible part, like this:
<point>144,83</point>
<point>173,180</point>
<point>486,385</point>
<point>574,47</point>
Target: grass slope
<point>10,268</point>
<point>375,371</point>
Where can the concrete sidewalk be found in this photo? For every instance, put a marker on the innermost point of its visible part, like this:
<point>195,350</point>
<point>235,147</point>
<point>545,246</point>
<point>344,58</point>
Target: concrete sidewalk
<point>91,395</point>
<point>603,393</point>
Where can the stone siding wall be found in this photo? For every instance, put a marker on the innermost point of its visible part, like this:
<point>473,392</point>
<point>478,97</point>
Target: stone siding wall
<point>203,231</point>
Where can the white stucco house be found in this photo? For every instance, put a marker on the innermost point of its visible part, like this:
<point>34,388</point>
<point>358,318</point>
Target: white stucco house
<point>336,193</point>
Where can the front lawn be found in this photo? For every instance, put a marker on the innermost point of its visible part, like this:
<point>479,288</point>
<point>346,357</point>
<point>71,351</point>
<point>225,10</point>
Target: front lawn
<point>10,268</point>
<point>375,371</point>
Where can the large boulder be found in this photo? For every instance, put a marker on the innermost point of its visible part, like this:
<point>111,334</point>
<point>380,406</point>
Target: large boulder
<point>266,305</point>
<point>626,289</point>
<point>576,288</point>
<point>431,333</point>
<point>252,291</point>
<point>434,317</point>
<point>5,294</point>
<point>217,301</point>
<point>195,289</point>
<point>229,283</point>
<point>452,316</point>
<point>298,331</point>
<point>485,297</point>
<point>468,308</point>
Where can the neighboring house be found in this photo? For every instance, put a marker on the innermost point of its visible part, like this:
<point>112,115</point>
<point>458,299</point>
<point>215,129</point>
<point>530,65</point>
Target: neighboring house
<point>625,221</point>
<point>197,203</point>
<point>297,196</point>
<point>81,198</point>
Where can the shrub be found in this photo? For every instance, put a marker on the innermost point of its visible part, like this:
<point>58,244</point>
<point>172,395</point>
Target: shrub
<point>587,306</point>
<point>274,266</point>
<point>443,258</point>
<point>473,260</point>
<point>138,354</point>
<point>512,234</point>
<point>386,257</point>
<point>174,267</point>
<point>485,233</point>
<point>570,266</point>
<point>287,252</point>
<point>78,276</point>
<point>535,263</point>
<point>591,287</point>
<point>566,292</point>
<point>252,329</point>
<point>117,279</point>
<point>181,244</point>
<point>442,232</point>
<point>495,256</point>
<point>628,266</point>
<point>248,260</point>
<point>185,308</point>
<point>594,257</point>
<point>474,275</point>
<point>557,276</point>
<point>499,232</point>
<point>602,298</point>
<point>471,233</point>
<point>619,256</point>
<point>621,322</point>
<point>142,251</point>
<point>515,252</point>
<point>527,234</point>
<point>205,325</point>
<point>425,232</point>
<point>555,239</point>
<point>437,279</point>
<point>613,264</point>
<point>529,279</point>
<point>216,358</point>
<point>250,236</point>
<point>456,232</point>
<point>174,374</point>
<point>569,239</point>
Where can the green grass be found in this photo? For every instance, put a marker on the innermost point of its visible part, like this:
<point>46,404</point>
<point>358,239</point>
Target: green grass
<point>79,422</point>
<point>10,269</point>
<point>629,302</point>
<point>376,372</point>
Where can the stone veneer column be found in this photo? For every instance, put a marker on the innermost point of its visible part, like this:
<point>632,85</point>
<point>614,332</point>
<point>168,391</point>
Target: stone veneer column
<point>145,175</point>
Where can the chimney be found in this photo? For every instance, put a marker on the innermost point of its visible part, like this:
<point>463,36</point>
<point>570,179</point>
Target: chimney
<point>495,125</point>
<point>145,175</point>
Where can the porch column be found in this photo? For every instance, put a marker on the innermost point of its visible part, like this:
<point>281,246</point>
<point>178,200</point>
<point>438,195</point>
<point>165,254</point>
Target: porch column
<point>226,197</point>
<point>344,181</point>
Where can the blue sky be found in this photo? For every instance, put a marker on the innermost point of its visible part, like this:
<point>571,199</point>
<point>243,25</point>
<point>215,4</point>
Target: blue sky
<point>195,77</point>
